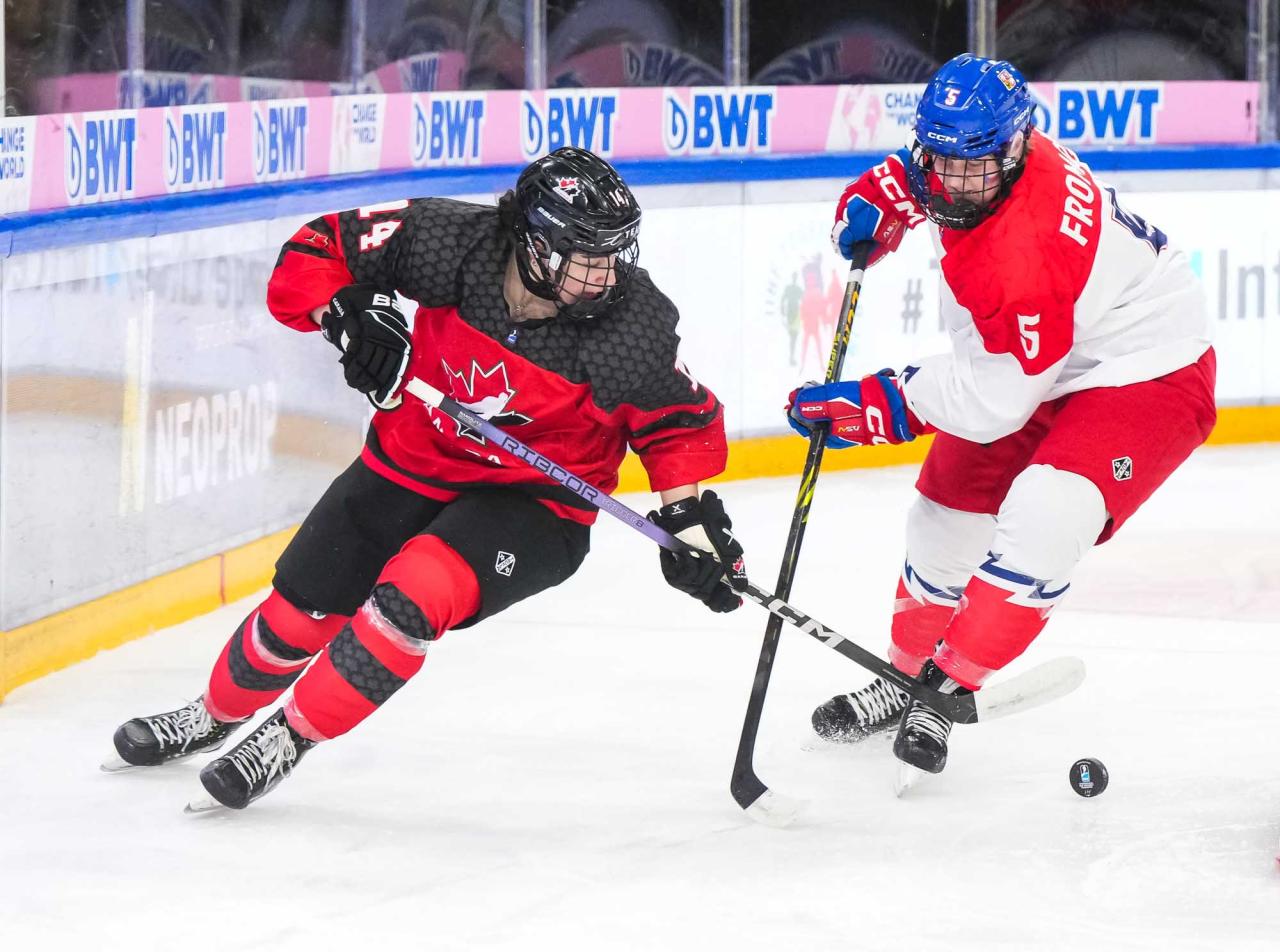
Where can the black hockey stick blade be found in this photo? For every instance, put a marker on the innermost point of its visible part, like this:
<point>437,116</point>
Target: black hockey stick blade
<point>748,790</point>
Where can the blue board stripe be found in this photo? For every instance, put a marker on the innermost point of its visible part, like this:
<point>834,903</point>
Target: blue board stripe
<point>40,231</point>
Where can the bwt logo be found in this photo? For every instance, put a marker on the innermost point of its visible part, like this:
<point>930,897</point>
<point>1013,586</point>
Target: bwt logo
<point>99,158</point>
<point>166,89</point>
<point>195,145</point>
<point>421,74</point>
<point>716,122</point>
<point>448,129</point>
<point>1104,113</point>
<point>570,117</point>
<point>279,142</point>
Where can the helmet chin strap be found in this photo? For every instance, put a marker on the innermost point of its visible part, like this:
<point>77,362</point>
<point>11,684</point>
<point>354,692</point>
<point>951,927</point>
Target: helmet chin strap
<point>525,302</point>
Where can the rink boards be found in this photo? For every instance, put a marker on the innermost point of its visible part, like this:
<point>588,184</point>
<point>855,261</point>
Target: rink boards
<point>161,433</point>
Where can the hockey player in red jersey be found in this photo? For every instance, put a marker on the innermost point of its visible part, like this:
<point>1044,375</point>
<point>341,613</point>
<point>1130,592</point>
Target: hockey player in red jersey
<point>533,315</point>
<point>1080,378</point>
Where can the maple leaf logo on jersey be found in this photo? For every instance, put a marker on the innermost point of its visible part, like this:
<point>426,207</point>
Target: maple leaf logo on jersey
<point>486,393</point>
<point>567,187</point>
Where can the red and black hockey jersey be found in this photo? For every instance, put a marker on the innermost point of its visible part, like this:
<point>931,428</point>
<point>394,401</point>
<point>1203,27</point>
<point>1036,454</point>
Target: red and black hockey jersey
<point>579,392</point>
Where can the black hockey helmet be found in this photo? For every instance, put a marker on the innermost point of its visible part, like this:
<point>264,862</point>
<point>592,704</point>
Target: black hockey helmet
<point>576,228</point>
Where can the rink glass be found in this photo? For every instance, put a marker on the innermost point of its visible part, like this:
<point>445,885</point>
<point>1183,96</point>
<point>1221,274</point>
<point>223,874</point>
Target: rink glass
<point>75,55</point>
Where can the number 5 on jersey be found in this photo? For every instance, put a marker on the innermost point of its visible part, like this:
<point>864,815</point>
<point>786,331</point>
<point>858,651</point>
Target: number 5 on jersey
<point>1030,336</point>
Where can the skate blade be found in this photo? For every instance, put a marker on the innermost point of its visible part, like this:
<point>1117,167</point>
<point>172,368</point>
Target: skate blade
<point>116,764</point>
<point>203,805</point>
<point>865,742</point>
<point>906,778</point>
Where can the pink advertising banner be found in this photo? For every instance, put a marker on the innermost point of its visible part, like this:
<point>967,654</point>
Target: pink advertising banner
<point>79,158</point>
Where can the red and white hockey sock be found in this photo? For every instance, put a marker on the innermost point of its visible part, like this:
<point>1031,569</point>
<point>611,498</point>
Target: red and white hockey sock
<point>264,656</point>
<point>920,614</point>
<point>1000,614</point>
<point>424,591</point>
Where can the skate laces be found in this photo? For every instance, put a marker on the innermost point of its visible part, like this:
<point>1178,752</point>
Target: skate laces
<point>929,722</point>
<point>182,726</point>
<point>878,701</point>
<point>269,752</point>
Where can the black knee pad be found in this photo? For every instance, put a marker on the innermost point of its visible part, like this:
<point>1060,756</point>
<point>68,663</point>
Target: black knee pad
<point>300,602</point>
<point>397,608</point>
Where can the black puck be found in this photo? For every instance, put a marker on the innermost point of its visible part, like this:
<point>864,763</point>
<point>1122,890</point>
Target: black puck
<point>1088,777</point>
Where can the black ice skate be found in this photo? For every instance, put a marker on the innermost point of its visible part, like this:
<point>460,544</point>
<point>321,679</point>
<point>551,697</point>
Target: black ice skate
<point>922,737</point>
<point>164,738</point>
<point>849,718</point>
<point>254,767</point>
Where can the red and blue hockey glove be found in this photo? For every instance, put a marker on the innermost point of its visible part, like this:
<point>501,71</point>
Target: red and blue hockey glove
<point>876,207</point>
<point>860,412</point>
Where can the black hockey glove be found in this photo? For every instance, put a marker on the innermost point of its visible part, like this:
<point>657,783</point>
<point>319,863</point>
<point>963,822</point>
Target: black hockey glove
<point>703,524</point>
<point>367,325</point>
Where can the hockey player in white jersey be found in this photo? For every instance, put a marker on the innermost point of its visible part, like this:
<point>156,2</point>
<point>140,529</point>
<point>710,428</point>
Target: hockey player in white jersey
<point>1080,377</point>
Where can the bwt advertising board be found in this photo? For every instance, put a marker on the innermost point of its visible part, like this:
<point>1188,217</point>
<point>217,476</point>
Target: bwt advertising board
<point>66,159</point>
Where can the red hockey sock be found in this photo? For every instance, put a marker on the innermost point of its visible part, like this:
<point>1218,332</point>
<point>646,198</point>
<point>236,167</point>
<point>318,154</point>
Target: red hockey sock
<point>264,656</point>
<point>997,619</point>
<point>424,591</point>
<point>917,626</point>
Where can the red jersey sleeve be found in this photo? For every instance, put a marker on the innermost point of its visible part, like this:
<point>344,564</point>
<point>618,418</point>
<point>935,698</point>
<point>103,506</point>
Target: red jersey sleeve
<point>680,442</point>
<point>415,246</point>
<point>1038,333</point>
<point>310,270</point>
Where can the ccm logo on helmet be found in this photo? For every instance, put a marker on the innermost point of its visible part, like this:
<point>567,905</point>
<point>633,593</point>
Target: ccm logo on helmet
<point>940,137</point>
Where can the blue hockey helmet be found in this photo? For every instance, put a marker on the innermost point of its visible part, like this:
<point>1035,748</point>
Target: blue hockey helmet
<point>972,109</point>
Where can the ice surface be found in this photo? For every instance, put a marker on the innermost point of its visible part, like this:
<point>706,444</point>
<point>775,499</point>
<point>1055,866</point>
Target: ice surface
<point>558,777</point>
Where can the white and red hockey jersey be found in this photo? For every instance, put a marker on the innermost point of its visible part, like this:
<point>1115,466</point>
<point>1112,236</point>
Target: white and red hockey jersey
<point>1060,290</point>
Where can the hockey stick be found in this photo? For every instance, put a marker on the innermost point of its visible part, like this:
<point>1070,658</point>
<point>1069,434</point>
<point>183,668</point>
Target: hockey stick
<point>1043,683</point>
<point>751,793</point>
